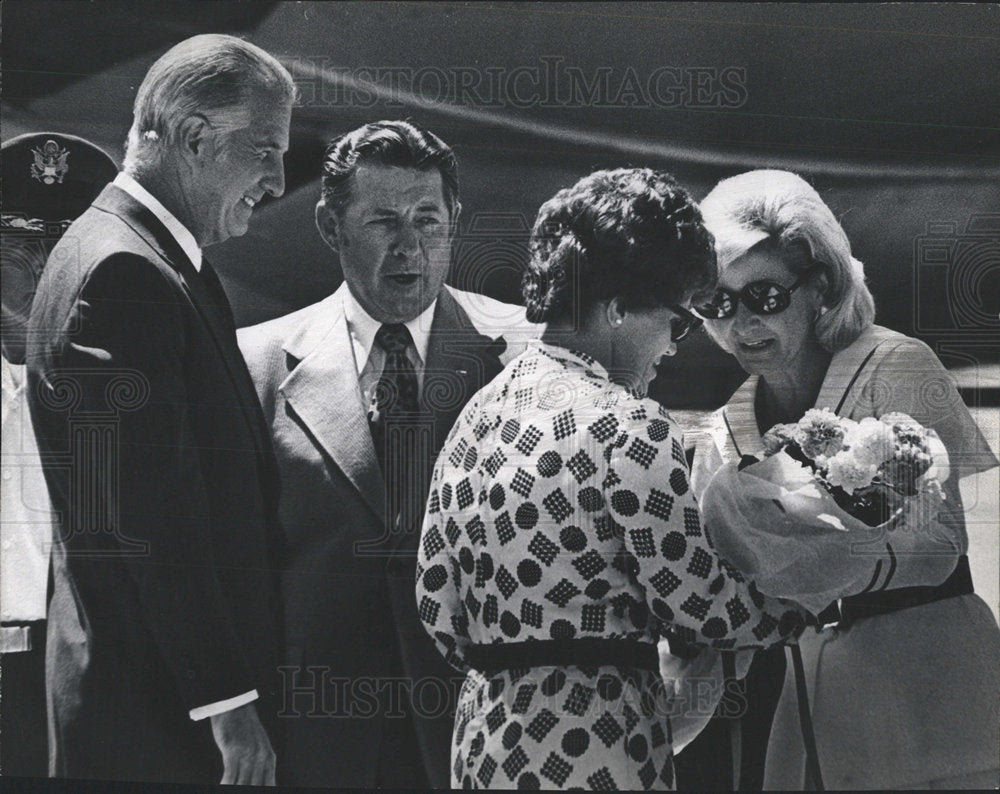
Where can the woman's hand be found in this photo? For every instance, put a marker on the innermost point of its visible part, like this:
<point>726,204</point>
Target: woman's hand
<point>693,674</point>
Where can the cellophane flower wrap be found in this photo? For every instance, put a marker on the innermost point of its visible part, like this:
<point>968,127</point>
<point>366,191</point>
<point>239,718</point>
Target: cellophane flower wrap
<point>805,520</point>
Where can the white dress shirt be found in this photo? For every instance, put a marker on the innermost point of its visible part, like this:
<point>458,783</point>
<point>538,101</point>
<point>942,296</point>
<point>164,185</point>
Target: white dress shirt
<point>370,358</point>
<point>190,247</point>
<point>177,229</point>
<point>26,518</point>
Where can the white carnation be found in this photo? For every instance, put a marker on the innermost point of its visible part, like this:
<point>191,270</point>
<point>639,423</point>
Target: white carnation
<point>869,443</point>
<point>850,472</point>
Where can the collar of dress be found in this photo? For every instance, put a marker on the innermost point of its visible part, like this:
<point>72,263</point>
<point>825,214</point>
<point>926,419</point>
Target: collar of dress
<point>738,414</point>
<point>588,366</point>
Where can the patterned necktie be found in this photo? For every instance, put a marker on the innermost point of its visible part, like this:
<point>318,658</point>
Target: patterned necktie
<point>396,395</point>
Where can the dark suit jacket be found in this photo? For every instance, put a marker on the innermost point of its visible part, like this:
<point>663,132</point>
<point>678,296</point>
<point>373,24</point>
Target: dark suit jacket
<point>162,471</point>
<point>356,650</point>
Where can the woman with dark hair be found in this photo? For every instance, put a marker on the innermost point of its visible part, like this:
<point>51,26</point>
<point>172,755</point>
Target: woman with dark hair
<point>562,538</point>
<point>902,689</point>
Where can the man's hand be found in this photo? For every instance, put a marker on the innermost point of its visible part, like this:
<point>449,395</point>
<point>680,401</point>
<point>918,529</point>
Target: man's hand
<point>247,755</point>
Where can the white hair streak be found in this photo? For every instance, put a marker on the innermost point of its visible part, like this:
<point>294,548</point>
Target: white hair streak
<point>207,74</point>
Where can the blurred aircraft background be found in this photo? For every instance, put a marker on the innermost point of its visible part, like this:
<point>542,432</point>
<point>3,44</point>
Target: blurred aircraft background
<point>889,110</point>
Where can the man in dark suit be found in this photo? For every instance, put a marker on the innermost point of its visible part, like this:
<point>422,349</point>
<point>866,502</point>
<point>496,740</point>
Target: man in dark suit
<point>360,391</point>
<point>164,621</point>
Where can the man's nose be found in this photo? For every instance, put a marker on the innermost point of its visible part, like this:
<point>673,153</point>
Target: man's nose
<point>274,181</point>
<point>407,241</point>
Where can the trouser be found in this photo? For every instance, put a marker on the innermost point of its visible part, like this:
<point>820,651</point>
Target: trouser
<point>23,724</point>
<point>400,764</point>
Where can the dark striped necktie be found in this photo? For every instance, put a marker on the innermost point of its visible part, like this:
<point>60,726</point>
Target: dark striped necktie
<point>396,394</point>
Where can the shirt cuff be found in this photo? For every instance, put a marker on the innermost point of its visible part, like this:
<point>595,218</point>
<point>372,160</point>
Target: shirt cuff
<point>223,706</point>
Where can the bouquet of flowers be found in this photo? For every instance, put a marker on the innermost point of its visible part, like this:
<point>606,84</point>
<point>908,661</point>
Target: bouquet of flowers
<point>829,498</point>
<point>868,467</point>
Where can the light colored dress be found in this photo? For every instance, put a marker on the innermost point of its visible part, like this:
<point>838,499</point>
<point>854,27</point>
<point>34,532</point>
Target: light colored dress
<point>560,509</point>
<point>907,699</point>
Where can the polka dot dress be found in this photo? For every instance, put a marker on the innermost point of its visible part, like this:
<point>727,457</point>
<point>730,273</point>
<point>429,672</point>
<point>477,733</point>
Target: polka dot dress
<point>559,509</point>
<point>595,728</point>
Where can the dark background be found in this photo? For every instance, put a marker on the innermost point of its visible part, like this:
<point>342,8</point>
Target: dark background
<point>891,111</point>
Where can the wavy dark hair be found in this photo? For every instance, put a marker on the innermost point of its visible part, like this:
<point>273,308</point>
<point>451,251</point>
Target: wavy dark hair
<point>631,233</point>
<point>389,143</point>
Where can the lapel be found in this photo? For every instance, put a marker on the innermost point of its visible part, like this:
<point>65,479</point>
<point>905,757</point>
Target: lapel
<point>458,353</point>
<point>323,390</point>
<point>842,384</point>
<point>139,218</point>
<point>740,420</point>
<point>323,387</point>
<point>460,361</point>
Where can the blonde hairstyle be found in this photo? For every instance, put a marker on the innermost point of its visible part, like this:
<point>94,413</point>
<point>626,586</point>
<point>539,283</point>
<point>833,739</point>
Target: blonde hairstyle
<point>781,211</point>
<point>210,74</point>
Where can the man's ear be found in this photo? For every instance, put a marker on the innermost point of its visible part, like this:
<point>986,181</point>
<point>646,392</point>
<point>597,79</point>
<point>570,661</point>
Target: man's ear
<point>193,135</point>
<point>326,223</point>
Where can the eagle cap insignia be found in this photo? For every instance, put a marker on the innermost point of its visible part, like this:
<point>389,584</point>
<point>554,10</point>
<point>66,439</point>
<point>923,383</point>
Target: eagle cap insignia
<point>50,164</point>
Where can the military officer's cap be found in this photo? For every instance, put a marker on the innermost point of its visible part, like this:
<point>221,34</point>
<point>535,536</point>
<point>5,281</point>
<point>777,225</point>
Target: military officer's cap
<point>49,179</point>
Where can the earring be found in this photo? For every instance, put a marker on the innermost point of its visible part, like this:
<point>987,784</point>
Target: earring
<point>618,321</point>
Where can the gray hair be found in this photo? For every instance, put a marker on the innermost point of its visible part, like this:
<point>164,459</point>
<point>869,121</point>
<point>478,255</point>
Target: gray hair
<point>782,211</point>
<point>208,74</point>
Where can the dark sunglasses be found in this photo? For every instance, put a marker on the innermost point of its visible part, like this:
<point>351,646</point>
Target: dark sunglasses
<point>683,324</point>
<point>760,297</point>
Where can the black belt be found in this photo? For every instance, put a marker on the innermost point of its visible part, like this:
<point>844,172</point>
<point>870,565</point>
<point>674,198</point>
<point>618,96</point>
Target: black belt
<point>858,607</point>
<point>584,652</point>
<point>867,605</point>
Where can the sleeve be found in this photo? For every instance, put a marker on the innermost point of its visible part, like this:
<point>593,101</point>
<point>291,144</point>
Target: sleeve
<point>439,573</point>
<point>126,356</point>
<point>708,456</point>
<point>911,379</point>
<point>689,588</point>
<point>923,550</point>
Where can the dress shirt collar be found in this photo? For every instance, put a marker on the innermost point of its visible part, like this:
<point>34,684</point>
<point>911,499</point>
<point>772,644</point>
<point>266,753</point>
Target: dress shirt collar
<point>177,229</point>
<point>363,327</point>
<point>13,388</point>
<point>13,377</point>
